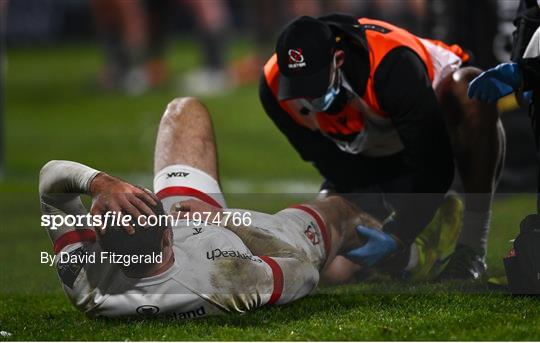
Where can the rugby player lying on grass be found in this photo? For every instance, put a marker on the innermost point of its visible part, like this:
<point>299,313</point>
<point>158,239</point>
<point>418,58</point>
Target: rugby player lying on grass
<point>204,269</point>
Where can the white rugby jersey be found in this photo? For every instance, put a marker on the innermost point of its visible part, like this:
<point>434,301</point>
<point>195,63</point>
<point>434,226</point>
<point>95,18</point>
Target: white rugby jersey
<point>214,270</point>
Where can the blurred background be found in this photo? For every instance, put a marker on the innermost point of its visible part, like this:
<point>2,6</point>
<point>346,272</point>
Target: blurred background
<point>88,80</point>
<point>88,54</point>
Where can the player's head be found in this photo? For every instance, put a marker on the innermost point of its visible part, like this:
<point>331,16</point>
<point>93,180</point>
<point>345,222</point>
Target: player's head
<point>145,241</point>
<point>309,64</point>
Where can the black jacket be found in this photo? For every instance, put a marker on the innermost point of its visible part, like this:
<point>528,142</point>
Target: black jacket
<point>404,92</point>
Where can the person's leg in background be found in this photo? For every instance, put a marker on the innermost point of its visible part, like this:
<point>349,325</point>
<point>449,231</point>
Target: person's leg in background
<point>159,22</point>
<point>264,19</point>
<point>478,142</point>
<point>123,28</point>
<point>212,19</point>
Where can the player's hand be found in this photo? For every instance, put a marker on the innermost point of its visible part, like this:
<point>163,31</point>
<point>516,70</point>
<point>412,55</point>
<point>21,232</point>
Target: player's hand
<point>495,83</point>
<point>378,246</point>
<point>112,194</point>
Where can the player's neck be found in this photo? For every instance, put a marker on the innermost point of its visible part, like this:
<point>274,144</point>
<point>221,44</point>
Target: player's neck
<point>168,261</point>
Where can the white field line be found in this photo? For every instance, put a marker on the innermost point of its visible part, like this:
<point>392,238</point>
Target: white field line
<point>231,185</point>
<point>270,186</point>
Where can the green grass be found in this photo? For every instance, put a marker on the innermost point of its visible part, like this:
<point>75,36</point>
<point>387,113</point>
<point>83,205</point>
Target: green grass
<point>54,111</point>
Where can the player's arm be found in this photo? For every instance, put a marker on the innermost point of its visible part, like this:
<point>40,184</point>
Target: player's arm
<point>291,274</point>
<point>338,222</point>
<point>268,277</point>
<point>246,284</point>
<point>62,182</point>
<point>277,273</point>
<point>60,186</point>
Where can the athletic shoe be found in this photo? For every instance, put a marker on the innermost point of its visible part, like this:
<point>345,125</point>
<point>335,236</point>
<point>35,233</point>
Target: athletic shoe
<point>465,264</point>
<point>436,243</point>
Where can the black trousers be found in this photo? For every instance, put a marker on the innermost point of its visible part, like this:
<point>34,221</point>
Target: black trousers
<point>534,113</point>
<point>382,185</point>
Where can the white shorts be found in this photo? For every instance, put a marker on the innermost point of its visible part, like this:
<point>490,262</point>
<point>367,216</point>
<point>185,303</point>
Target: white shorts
<point>299,225</point>
<point>178,182</point>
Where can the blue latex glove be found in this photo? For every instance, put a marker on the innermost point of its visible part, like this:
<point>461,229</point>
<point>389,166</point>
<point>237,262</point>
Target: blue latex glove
<point>495,83</point>
<point>378,245</point>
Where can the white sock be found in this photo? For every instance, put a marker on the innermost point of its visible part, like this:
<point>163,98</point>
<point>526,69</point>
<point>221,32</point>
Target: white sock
<point>413,258</point>
<point>475,230</point>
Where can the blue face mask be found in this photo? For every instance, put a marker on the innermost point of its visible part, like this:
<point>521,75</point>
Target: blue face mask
<point>324,102</point>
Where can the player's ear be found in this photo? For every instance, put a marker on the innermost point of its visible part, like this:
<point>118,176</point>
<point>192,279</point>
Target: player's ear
<point>167,240</point>
<point>340,57</point>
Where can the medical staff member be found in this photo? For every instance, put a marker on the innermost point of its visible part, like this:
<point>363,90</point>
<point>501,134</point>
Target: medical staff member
<point>380,111</point>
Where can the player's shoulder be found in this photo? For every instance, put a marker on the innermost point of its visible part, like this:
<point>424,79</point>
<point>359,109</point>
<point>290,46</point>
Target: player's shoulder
<point>196,235</point>
<point>196,247</point>
<point>210,232</point>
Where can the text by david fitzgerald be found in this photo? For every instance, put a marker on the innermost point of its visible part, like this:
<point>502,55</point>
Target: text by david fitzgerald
<point>101,257</point>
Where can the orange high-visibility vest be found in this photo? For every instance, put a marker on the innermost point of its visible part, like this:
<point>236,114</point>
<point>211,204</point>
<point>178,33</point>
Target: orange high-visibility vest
<point>381,38</point>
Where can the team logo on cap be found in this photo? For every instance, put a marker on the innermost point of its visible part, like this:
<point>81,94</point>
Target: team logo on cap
<point>296,59</point>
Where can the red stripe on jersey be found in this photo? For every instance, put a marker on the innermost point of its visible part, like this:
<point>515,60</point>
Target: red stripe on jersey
<point>278,279</point>
<point>73,237</point>
<point>320,223</point>
<point>187,191</point>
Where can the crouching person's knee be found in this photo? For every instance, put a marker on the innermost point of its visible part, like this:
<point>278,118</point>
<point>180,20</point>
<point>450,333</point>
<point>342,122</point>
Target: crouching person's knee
<point>459,109</point>
<point>456,83</point>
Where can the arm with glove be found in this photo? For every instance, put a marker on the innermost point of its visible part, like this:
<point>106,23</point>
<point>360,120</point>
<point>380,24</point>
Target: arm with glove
<point>378,246</point>
<point>523,75</point>
<point>506,78</point>
<point>496,82</point>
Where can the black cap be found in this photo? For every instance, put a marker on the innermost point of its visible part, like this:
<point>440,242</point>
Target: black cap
<point>304,51</point>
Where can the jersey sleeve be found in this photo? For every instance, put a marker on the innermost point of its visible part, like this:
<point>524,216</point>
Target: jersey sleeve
<point>60,186</point>
<point>247,272</point>
<point>261,280</point>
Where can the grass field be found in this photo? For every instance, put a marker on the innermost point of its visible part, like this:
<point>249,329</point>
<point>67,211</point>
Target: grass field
<point>53,111</point>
